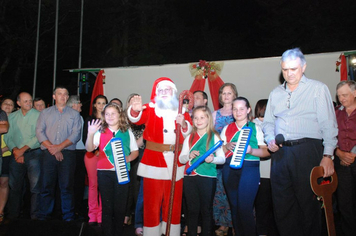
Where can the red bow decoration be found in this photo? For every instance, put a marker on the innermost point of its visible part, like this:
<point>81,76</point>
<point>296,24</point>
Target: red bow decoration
<point>211,71</point>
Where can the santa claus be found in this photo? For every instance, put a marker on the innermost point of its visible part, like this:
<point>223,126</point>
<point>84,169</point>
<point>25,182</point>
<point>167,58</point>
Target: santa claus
<point>160,117</point>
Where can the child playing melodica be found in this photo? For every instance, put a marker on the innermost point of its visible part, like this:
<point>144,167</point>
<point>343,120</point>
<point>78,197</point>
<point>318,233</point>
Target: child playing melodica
<point>113,195</point>
<point>199,187</point>
<point>241,185</point>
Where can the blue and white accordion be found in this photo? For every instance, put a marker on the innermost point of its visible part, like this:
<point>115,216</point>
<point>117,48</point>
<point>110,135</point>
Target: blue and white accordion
<point>120,164</point>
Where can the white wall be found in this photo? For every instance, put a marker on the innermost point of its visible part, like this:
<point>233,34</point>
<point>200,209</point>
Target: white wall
<point>254,78</point>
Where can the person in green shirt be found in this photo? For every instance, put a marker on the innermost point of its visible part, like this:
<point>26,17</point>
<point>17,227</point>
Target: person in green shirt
<point>22,141</point>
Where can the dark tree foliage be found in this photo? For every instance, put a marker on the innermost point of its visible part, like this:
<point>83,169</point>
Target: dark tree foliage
<point>147,32</point>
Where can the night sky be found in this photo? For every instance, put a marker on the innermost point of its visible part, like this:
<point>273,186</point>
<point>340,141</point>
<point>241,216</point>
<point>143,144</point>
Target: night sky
<point>149,32</point>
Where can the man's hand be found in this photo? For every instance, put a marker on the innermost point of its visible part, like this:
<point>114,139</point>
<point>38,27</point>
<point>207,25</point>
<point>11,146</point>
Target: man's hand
<point>272,146</point>
<point>328,166</point>
<point>20,159</point>
<point>136,103</point>
<point>17,152</point>
<point>346,158</point>
<point>180,120</point>
<point>59,156</point>
<point>53,149</point>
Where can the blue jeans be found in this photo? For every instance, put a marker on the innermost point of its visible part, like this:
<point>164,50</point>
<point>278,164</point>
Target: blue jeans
<point>139,207</point>
<point>32,167</point>
<point>63,171</point>
<point>241,188</point>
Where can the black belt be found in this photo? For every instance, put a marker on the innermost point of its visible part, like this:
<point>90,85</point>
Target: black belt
<point>30,150</point>
<point>297,141</point>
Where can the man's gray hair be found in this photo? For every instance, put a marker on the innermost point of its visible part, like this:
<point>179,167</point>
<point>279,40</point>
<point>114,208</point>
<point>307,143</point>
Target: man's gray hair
<point>60,87</point>
<point>293,54</point>
<point>350,83</point>
<point>73,99</point>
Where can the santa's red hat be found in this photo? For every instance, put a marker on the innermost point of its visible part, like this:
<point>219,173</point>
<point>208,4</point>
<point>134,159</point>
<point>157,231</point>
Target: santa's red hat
<point>159,82</point>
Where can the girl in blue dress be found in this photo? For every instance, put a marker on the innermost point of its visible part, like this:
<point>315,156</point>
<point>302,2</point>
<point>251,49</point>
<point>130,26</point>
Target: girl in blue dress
<point>223,117</point>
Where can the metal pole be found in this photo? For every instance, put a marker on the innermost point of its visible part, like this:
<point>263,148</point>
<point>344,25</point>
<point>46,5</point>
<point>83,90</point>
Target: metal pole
<point>80,43</point>
<point>37,43</point>
<point>55,49</point>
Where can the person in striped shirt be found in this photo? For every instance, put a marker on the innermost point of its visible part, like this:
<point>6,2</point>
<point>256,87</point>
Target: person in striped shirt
<point>301,110</point>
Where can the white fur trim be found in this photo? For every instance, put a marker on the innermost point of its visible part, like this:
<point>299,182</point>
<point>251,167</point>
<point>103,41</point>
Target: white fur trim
<point>168,113</point>
<point>174,230</point>
<point>189,130</point>
<point>154,231</point>
<point>161,173</point>
<point>131,118</point>
<point>180,173</point>
<point>168,83</point>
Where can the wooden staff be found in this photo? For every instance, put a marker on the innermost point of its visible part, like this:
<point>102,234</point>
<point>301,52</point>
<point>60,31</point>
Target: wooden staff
<point>186,94</point>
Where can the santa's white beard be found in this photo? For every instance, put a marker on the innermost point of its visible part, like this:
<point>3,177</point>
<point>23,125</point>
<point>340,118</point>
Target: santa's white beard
<point>171,103</point>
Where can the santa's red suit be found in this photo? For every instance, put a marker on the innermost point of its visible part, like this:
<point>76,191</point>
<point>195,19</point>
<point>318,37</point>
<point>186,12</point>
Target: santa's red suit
<point>157,163</point>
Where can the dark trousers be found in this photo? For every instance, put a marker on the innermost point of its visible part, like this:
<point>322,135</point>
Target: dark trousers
<point>266,225</point>
<point>241,188</point>
<point>63,172</point>
<point>296,208</point>
<point>31,167</point>
<point>79,182</point>
<point>199,194</point>
<point>113,200</point>
<point>346,197</point>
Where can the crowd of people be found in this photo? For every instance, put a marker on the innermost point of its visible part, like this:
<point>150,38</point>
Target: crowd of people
<point>269,192</point>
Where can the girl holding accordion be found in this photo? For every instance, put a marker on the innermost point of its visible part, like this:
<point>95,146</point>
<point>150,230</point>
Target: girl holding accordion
<point>199,187</point>
<point>242,184</point>
<point>113,194</point>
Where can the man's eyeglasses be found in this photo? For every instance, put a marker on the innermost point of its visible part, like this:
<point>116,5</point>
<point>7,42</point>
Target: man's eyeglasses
<point>288,100</point>
<point>167,90</point>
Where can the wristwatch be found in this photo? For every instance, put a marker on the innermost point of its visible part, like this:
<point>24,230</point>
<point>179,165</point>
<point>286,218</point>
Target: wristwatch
<point>329,156</point>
